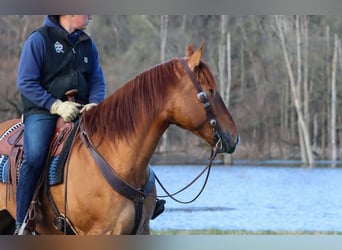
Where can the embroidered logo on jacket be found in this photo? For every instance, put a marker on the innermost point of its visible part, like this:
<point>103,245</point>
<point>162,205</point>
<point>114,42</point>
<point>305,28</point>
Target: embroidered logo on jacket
<point>58,47</point>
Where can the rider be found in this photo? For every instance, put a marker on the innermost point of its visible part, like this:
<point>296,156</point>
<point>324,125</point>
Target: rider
<point>57,57</point>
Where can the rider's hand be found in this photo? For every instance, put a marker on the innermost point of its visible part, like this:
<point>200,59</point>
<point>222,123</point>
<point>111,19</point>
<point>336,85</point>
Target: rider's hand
<point>87,107</point>
<point>67,110</point>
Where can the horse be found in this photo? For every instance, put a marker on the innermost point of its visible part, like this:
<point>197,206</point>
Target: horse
<point>118,138</point>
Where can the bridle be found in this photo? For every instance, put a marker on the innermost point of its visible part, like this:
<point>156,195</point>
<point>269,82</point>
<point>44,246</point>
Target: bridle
<point>216,146</point>
<point>203,98</point>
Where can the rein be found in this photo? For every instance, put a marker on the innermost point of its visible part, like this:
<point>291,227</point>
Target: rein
<point>207,168</point>
<point>203,98</point>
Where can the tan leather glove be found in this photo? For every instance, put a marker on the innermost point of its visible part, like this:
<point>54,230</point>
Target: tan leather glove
<point>87,107</point>
<point>67,110</point>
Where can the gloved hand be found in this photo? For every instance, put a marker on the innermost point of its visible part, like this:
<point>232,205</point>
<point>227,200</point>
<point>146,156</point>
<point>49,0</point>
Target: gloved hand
<point>87,107</point>
<point>67,110</point>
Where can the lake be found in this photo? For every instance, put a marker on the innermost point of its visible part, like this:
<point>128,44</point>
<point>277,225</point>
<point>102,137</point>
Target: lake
<point>253,197</point>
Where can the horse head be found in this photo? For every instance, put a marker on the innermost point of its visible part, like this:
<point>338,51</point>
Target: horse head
<point>198,105</point>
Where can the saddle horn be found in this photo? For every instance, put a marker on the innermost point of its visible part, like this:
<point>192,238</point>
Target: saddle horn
<point>70,94</point>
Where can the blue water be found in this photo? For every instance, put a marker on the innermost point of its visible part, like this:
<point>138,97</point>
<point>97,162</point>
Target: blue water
<point>253,198</point>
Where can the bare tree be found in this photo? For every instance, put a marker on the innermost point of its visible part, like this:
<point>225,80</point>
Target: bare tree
<point>281,23</point>
<point>163,36</point>
<point>222,55</point>
<point>298,90</point>
<point>163,39</point>
<point>224,66</point>
<point>229,69</point>
<point>305,32</point>
<point>333,101</point>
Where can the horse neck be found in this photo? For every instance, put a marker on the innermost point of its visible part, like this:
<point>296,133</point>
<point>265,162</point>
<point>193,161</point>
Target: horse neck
<point>135,117</point>
<point>130,156</point>
<point>146,140</point>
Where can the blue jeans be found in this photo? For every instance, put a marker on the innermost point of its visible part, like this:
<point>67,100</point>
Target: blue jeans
<point>38,132</point>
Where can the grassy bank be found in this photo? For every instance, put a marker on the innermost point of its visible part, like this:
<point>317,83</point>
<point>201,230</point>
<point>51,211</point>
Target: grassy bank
<point>241,232</point>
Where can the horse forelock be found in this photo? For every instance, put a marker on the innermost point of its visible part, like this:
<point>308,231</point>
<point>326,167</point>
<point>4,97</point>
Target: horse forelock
<point>134,104</point>
<point>208,75</point>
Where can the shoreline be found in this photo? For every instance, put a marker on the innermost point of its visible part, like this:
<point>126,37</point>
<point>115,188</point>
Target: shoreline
<point>240,232</point>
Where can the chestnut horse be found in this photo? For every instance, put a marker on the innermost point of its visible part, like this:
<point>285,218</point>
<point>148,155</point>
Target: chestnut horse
<point>121,134</point>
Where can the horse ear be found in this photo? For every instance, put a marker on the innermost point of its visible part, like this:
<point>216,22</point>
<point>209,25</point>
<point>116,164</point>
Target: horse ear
<point>190,50</point>
<point>195,57</point>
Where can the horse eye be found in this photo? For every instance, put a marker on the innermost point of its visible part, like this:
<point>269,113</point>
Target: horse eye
<point>211,91</point>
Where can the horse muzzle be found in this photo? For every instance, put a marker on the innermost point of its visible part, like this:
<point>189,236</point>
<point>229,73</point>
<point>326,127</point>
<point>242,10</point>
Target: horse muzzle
<point>224,142</point>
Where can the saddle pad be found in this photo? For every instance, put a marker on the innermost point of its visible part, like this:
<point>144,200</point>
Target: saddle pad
<point>55,175</point>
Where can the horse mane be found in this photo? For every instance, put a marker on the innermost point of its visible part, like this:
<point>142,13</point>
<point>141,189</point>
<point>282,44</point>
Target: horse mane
<point>138,101</point>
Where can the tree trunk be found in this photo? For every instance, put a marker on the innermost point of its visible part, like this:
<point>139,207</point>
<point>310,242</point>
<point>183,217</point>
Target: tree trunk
<point>222,58</point>
<point>242,69</point>
<point>229,71</point>
<point>227,159</point>
<point>163,147</point>
<point>299,80</point>
<point>306,70</point>
<point>163,36</point>
<point>328,97</point>
<point>333,102</point>
<point>315,132</point>
<point>224,72</point>
<point>306,139</point>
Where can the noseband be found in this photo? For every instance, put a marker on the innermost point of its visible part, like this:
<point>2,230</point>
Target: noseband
<point>204,99</point>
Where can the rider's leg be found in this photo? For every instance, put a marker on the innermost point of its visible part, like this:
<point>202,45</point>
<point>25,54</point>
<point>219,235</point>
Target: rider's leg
<point>38,131</point>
